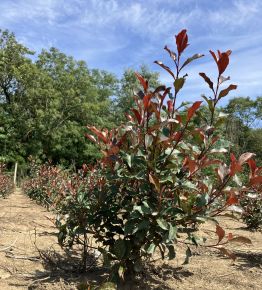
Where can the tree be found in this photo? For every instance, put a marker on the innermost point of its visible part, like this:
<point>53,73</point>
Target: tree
<point>45,105</point>
<point>243,128</point>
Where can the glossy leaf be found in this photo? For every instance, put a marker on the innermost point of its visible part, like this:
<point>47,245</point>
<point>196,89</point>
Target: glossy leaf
<point>224,92</point>
<point>181,41</point>
<point>160,63</point>
<point>142,81</point>
<point>207,80</point>
<point>191,110</point>
<point>190,59</point>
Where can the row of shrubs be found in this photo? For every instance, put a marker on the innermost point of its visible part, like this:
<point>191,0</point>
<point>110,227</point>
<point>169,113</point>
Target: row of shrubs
<point>6,182</point>
<point>163,172</point>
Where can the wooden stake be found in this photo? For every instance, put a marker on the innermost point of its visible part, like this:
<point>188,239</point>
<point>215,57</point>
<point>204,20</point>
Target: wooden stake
<point>15,174</point>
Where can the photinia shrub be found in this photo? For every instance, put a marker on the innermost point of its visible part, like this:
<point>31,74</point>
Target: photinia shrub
<point>251,202</point>
<point>162,172</point>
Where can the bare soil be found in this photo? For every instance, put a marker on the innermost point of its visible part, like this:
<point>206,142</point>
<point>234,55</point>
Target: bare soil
<point>30,257</point>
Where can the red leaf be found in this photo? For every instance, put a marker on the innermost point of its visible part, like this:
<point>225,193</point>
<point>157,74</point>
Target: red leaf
<point>177,136</point>
<point>223,62</point>
<point>179,118</point>
<point>232,199</point>
<point>181,41</point>
<point>137,114</point>
<point>146,100</point>
<point>214,55</point>
<point>90,137</point>
<point>192,165</point>
<point>171,53</point>
<point>235,166</point>
<point>230,236</point>
<point>98,133</point>
<point>164,95</point>
<point>257,180</point>
<point>142,81</point>
<point>170,106</point>
<point>165,68</point>
<point>207,80</point>
<point>220,233</point>
<point>192,110</point>
<point>252,166</point>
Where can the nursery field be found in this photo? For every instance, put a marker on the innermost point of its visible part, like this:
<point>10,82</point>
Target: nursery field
<point>30,257</point>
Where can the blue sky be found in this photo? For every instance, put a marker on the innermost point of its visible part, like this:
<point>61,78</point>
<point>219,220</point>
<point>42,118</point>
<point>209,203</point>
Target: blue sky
<point>117,34</point>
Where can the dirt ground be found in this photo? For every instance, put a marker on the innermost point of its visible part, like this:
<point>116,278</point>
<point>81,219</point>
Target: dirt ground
<point>30,257</point>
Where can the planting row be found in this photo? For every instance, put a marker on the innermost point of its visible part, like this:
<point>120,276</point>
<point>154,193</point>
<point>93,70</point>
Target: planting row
<point>6,182</point>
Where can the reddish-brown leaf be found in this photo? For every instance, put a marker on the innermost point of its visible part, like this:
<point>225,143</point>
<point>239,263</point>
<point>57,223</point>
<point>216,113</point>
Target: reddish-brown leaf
<point>181,41</point>
<point>220,233</point>
<point>214,56</point>
<point>90,137</point>
<point>191,110</point>
<point>207,80</point>
<point>137,114</point>
<point>257,180</point>
<point>154,180</point>
<point>146,100</point>
<point>192,165</point>
<point>230,236</point>
<point>165,68</point>
<point>142,81</point>
<point>224,92</point>
<point>169,106</point>
<point>171,53</point>
<point>222,62</point>
<point>98,133</point>
<point>232,199</point>
<point>252,165</point>
<point>235,166</point>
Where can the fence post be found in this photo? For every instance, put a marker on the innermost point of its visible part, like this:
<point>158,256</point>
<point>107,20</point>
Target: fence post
<point>15,174</point>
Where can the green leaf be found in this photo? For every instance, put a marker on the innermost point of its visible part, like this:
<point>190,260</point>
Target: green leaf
<point>150,250</point>
<point>178,84</point>
<point>162,223</point>
<point>202,200</point>
<point>108,286</point>
<point>172,232</point>
<point>143,225</point>
<point>120,248</point>
<point>128,159</point>
<point>148,140</point>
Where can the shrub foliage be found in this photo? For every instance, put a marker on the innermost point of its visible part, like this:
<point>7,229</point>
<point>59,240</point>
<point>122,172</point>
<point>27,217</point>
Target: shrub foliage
<point>163,171</point>
<point>6,182</point>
